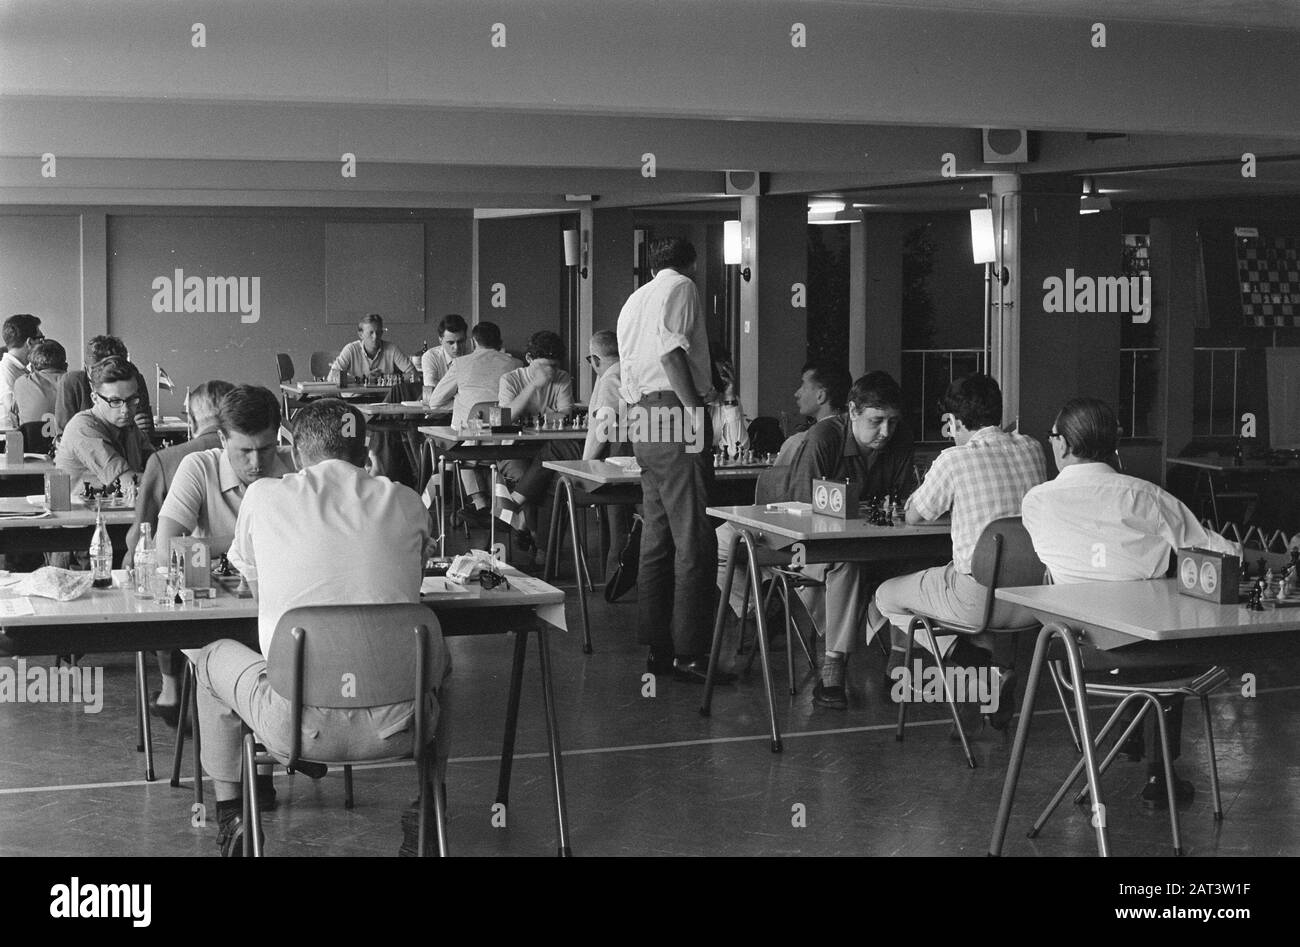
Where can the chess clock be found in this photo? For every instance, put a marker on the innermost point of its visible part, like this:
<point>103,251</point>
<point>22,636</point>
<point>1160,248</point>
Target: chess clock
<point>838,498</point>
<point>1212,576</point>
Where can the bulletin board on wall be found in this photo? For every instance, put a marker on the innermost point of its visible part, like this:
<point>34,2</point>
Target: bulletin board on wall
<point>374,267</point>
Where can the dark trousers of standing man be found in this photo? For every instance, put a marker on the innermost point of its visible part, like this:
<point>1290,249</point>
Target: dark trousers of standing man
<point>676,591</point>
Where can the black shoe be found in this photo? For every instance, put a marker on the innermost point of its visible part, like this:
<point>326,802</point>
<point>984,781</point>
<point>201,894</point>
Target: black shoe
<point>657,665</point>
<point>170,713</point>
<point>833,697</point>
<point>1156,796</point>
<point>230,838</point>
<point>696,672</point>
<point>311,770</point>
<point>1000,719</point>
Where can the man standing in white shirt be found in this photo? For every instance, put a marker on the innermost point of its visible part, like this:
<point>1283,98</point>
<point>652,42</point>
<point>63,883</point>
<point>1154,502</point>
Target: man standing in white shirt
<point>330,534</point>
<point>453,336</point>
<point>21,332</point>
<point>664,348</point>
<point>1093,524</point>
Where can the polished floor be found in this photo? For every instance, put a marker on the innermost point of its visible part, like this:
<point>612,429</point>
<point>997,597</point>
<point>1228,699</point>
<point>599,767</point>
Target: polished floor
<point>650,776</point>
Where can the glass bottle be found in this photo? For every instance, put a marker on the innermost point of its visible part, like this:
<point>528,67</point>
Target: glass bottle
<point>145,562</point>
<point>101,553</point>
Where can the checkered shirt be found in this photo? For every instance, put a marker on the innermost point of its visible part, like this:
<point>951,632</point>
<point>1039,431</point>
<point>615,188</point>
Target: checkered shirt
<point>979,481</point>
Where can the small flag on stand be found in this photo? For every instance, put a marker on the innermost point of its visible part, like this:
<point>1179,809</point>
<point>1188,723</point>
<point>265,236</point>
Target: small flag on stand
<point>161,380</point>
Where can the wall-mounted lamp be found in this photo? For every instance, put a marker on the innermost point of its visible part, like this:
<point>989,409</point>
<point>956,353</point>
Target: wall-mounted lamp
<point>732,251</point>
<point>1092,201</point>
<point>575,253</point>
<point>984,241</point>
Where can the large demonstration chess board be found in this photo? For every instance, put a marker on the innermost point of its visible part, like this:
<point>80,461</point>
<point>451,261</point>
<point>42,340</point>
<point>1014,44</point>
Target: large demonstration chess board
<point>1268,272</point>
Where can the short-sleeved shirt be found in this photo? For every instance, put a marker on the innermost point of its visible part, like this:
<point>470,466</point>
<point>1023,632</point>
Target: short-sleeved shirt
<point>604,408</point>
<point>36,395</point>
<point>206,494</point>
<point>160,471</point>
<point>331,534</point>
<point>93,451</point>
<point>434,365</point>
<point>662,315</point>
<point>473,379</point>
<point>980,481</point>
<point>12,368</point>
<point>1093,524</point>
<point>354,360</point>
<point>555,395</point>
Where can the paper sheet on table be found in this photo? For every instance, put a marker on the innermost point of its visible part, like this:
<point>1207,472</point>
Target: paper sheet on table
<point>441,585</point>
<point>15,607</point>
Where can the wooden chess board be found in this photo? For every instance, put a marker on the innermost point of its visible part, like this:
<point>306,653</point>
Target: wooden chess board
<point>1268,271</point>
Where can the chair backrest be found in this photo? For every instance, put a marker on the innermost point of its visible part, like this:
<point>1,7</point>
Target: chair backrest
<point>765,435</point>
<point>284,364</point>
<point>352,655</point>
<point>320,364</point>
<point>1004,558</point>
<point>34,439</point>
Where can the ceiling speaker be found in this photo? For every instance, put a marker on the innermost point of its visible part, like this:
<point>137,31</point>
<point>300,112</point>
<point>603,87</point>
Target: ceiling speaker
<point>748,183</point>
<point>1006,146</point>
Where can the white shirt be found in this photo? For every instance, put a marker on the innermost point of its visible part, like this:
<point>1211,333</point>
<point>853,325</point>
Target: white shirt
<point>662,315</point>
<point>434,364</point>
<point>1092,524</point>
<point>329,535</point>
<point>555,395</point>
<point>11,369</point>
<point>604,410</point>
<point>472,380</point>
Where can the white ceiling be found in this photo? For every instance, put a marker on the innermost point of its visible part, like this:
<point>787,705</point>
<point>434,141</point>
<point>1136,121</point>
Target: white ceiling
<point>1258,14</point>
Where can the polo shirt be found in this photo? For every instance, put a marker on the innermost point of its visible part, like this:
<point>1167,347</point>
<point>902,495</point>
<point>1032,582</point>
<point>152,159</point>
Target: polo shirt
<point>354,360</point>
<point>435,364</point>
<point>331,534</point>
<point>473,379</point>
<point>94,451</point>
<point>160,471</point>
<point>555,395</point>
<point>1094,524</point>
<point>829,451</point>
<point>662,315</point>
<point>206,494</point>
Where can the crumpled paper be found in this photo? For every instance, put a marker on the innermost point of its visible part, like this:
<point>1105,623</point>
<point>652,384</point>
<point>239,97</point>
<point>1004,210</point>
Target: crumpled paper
<point>62,585</point>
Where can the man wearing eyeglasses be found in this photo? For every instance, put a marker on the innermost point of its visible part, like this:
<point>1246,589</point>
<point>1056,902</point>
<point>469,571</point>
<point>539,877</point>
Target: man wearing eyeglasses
<point>102,443</point>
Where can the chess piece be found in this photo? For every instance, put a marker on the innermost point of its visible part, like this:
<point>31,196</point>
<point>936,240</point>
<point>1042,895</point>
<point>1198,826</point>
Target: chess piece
<point>1256,598</point>
<point>1270,591</point>
<point>243,591</point>
<point>1262,565</point>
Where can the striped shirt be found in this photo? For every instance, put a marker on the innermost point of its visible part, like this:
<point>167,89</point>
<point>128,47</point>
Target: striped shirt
<point>979,481</point>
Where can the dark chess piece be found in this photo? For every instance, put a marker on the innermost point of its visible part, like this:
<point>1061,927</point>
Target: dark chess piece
<point>88,493</point>
<point>1262,563</point>
<point>224,567</point>
<point>1256,597</point>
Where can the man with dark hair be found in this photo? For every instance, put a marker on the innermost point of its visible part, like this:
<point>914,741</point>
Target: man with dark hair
<point>982,479</point>
<point>866,446</point>
<point>452,334</point>
<point>209,485</point>
<point>74,387</point>
<point>369,354</point>
<point>35,393</point>
<point>331,534</point>
<point>471,380</point>
<point>159,474</point>
<point>21,332</point>
<point>664,352</point>
<point>102,443</point>
<point>1137,524</point>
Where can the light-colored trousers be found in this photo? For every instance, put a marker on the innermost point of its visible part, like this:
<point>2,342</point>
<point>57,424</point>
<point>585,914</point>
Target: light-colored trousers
<point>943,593</point>
<point>233,686</point>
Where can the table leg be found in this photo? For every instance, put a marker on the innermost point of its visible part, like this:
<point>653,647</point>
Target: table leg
<point>553,536</point>
<point>198,744</point>
<point>580,573</point>
<point>145,725</point>
<point>720,621</point>
<point>1066,635</point>
<point>512,717</point>
<point>183,714</point>
<point>553,743</point>
<point>1018,747</point>
<point>761,643</point>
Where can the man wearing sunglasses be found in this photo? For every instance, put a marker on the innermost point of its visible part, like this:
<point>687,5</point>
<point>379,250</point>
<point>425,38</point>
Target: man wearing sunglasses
<point>103,443</point>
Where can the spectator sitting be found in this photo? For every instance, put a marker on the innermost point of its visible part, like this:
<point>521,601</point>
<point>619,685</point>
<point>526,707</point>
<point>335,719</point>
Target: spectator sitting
<point>36,394</point>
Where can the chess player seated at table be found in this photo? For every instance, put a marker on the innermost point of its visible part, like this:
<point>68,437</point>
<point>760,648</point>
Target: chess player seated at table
<point>103,443</point>
<point>369,354</point>
<point>36,394</point>
<point>453,336</point>
<point>866,445</point>
<point>330,534</point>
<point>1094,524</point>
<point>541,387</point>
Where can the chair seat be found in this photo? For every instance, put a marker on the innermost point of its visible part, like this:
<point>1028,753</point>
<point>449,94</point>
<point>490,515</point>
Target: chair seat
<point>961,628</point>
<point>797,578</point>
